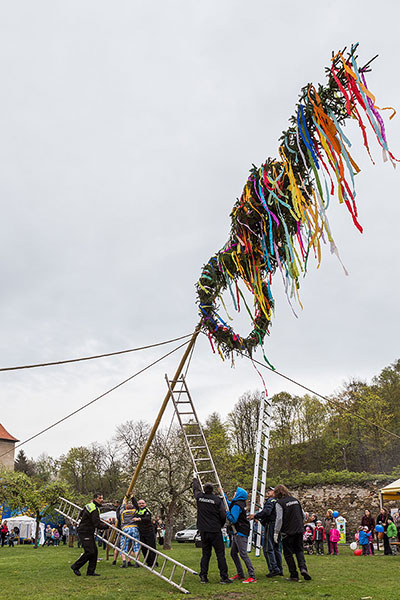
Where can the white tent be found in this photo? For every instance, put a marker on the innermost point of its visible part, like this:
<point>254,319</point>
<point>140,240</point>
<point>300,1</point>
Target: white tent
<point>111,514</point>
<point>27,527</point>
<point>391,492</point>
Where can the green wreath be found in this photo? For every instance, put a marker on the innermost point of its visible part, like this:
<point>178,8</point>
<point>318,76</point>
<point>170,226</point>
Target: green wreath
<point>280,217</point>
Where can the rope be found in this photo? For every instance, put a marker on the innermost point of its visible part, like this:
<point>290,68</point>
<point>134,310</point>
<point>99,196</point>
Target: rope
<point>71,360</point>
<point>329,400</point>
<point>95,399</point>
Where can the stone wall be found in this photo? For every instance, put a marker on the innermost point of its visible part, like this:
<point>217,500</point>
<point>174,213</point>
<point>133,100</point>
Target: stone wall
<point>350,501</point>
<point>7,460</point>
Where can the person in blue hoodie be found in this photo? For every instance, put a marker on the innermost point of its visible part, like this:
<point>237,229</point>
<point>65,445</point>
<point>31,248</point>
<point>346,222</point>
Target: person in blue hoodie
<point>364,537</point>
<point>237,516</point>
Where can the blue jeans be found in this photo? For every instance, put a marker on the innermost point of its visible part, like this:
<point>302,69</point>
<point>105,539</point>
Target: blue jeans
<point>271,550</point>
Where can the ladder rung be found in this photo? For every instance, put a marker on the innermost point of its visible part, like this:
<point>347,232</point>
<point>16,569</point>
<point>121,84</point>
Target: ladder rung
<point>197,447</point>
<point>187,413</point>
<point>163,566</point>
<point>200,459</point>
<point>193,434</point>
<point>204,472</point>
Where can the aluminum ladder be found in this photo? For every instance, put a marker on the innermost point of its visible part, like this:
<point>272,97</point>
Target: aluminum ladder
<point>203,464</point>
<point>168,569</point>
<point>260,471</point>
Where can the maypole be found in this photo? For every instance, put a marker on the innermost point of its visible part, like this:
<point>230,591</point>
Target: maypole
<point>153,432</point>
<point>281,218</point>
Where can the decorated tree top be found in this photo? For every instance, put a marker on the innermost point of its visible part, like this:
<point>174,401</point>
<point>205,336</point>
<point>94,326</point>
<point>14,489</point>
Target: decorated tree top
<point>280,218</point>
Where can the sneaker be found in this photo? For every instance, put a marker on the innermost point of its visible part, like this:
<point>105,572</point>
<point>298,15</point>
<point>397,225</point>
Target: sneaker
<point>123,566</point>
<point>292,579</point>
<point>203,579</point>
<point>250,580</point>
<point>236,577</point>
<point>227,580</point>
<point>93,574</point>
<point>130,564</point>
<point>76,571</point>
<point>274,574</point>
<point>306,575</point>
<point>136,566</point>
<point>114,562</point>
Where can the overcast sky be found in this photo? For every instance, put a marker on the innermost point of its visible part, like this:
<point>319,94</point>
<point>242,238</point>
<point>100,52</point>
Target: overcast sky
<point>127,130</point>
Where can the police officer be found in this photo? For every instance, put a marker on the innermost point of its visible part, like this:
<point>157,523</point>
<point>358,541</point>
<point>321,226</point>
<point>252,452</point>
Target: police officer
<point>89,521</point>
<point>290,523</point>
<point>144,522</point>
<point>267,517</point>
<point>211,516</point>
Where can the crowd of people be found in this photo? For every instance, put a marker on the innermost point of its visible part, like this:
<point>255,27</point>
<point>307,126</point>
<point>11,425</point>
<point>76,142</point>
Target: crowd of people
<point>8,536</point>
<point>286,529</point>
<point>64,534</point>
<point>386,528</point>
<point>282,517</point>
<point>283,525</point>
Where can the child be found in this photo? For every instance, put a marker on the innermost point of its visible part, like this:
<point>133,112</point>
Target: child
<point>308,540</point>
<point>319,537</point>
<point>334,536</point>
<point>56,537</point>
<point>11,538</point>
<point>391,532</point>
<point>48,535</point>
<point>364,537</point>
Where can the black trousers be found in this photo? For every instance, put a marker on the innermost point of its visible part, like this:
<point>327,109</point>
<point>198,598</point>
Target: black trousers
<point>293,545</point>
<point>319,546</point>
<point>386,545</point>
<point>89,555</point>
<point>149,538</point>
<point>210,540</point>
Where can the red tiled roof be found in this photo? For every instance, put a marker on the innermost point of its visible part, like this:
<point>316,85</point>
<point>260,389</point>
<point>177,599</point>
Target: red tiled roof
<point>4,435</point>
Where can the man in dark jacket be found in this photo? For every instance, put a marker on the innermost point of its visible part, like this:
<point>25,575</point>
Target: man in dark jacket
<point>290,524</point>
<point>144,522</point>
<point>211,516</point>
<point>89,521</point>
<point>267,517</point>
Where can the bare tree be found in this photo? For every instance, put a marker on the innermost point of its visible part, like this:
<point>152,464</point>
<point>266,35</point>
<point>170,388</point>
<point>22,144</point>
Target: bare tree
<point>166,480</point>
<point>243,422</point>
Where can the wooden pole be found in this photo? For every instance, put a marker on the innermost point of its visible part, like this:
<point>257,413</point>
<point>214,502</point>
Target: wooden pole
<point>161,412</point>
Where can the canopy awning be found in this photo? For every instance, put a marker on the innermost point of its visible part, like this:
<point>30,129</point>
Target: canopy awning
<point>391,491</point>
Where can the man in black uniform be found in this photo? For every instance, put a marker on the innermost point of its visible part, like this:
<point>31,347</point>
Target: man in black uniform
<point>267,517</point>
<point>90,520</point>
<point>290,523</point>
<point>144,521</point>
<point>211,516</point>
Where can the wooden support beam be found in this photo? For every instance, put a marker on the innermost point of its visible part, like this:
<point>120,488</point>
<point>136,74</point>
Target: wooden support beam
<point>161,411</point>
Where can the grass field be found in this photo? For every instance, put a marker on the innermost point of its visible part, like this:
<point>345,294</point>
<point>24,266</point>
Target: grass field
<point>45,573</point>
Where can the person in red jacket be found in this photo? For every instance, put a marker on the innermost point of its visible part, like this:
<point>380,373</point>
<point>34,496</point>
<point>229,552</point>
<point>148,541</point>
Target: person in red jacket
<point>319,538</point>
<point>3,533</point>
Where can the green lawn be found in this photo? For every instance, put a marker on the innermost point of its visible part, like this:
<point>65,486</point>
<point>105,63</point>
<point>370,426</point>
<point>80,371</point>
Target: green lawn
<point>44,573</point>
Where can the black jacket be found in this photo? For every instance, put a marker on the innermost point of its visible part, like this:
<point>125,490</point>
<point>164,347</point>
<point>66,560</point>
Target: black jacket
<point>290,516</point>
<point>90,519</point>
<point>145,525</point>
<point>268,513</point>
<point>211,512</point>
